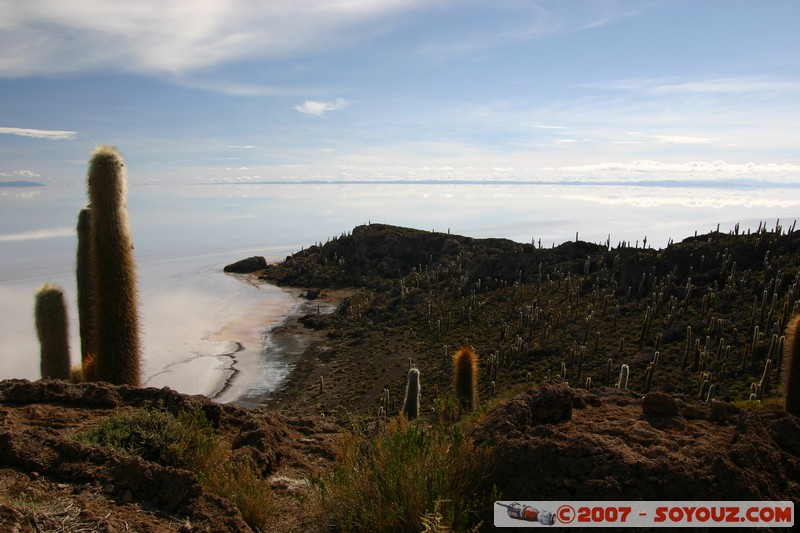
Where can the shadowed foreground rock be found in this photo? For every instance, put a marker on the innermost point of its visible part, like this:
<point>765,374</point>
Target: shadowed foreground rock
<point>608,446</point>
<point>549,443</point>
<point>90,488</point>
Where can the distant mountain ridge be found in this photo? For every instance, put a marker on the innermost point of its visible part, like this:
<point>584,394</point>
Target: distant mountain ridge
<point>21,183</point>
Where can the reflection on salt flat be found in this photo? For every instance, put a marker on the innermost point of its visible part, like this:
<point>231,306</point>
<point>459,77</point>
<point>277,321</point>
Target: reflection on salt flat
<point>201,331</point>
<point>647,197</point>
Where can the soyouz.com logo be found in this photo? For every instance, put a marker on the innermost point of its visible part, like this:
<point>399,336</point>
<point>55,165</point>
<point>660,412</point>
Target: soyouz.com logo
<point>644,514</point>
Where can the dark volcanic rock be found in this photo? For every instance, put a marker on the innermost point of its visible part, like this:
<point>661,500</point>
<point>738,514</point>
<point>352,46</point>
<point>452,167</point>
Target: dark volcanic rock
<point>246,266</point>
<point>658,405</point>
<point>312,294</point>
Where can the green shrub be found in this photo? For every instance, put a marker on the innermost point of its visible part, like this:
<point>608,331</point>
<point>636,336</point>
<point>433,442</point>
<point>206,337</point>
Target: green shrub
<point>156,436</point>
<point>239,482</point>
<point>395,478</point>
<point>187,441</point>
<point>750,405</point>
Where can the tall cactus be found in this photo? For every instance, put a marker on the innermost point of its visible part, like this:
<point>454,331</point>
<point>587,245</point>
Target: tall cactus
<point>52,327</point>
<point>116,318</point>
<point>465,378</point>
<point>411,401</point>
<point>791,361</point>
<point>84,282</point>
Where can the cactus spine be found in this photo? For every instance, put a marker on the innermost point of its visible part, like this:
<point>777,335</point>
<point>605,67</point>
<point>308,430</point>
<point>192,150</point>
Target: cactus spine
<point>84,282</point>
<point>411,401</point>
<point>791,361</point>
<point>52,328</point>
<point>116,324</point>
<point>465,378</point>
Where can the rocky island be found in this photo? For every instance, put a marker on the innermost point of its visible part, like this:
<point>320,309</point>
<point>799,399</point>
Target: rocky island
<point>605,371</point>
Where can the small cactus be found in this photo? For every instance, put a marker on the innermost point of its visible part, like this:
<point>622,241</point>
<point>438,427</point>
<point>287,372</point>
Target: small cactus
<point>764,384</point>
<point>465,378</point>
<point>623,377</point>
<point>712,390</point>
<point>52,327</point>
<point>385,398</point>
<point>648,376</point>
<point>705,384</point>
<point>791,370</point>
<point>411,400</point>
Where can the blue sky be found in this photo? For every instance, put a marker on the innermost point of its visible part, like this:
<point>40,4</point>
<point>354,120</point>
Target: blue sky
<point>401,89</point>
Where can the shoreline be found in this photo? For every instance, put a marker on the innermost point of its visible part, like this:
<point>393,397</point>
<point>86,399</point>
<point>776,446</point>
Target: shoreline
<point>238,347</point>
<point>203,330</point>
<point>248,369</point>
<point>263,372</point>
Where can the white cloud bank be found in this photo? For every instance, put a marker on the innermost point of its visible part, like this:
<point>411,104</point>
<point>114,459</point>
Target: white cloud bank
<point>55,135</point>
<point>27,173</point>
<point>717,175</point>
<point>318,109</point>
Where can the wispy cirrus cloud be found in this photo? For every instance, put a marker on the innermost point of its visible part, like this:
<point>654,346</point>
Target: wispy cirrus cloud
<point>55,135</point>
<point>49,233</point>
<point>231,88</point>
<point>721,85</point>
<point>729,85</point>
<point>164,37</point>
<point>318,109</point>
<point>519,22</point>
<point>638,137</point>
<point>683,139</point>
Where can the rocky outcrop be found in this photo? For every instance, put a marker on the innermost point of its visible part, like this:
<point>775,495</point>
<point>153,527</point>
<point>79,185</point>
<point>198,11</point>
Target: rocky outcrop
<point>374,253</point>
<point>247,266</point>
